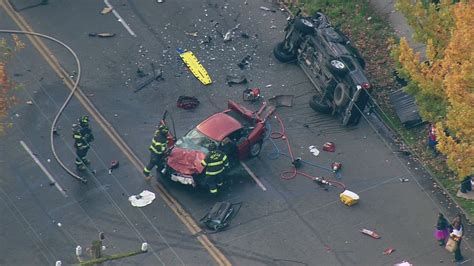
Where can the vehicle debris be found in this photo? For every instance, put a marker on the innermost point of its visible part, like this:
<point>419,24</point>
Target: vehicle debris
<point>102,35</point>
<point>106,10</point>
<point>160,1</point>
<point>403,180</point>
<point>244,35</point>
<point>207,39</point>
<point>228,36</point>
<point>29,102</point>
<point>218,218</point>
<point>195,66</point>
<point>349,198</point>
<point>403,263</point>
<point>370,233</point>
<point>233,79</point>
<point>146,82</point>
<point>314,150</point>
<point>251,94</point>
<point>141,200</point>
<point>244,62</point>
<point>113,165</point>
<point>194,34</point>
<point>140,73</point>
<point>329,146</point>
<point>336,166</point>
<point>187,102</point>
<point>388,251</point>
<point>264,8</point>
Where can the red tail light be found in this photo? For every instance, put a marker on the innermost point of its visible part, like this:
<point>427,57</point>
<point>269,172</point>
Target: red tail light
<point>365,85</point>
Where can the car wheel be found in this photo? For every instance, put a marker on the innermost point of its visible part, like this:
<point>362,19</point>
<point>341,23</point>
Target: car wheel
<point>281,54</point>
<point>304,25</point>
<point>318,105</point>
<point>341,94</point>
<point>337,67</point>
<point>255,149</point>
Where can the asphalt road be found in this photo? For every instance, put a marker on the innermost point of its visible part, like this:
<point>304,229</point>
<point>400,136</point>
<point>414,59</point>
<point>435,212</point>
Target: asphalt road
<point>292,222</point>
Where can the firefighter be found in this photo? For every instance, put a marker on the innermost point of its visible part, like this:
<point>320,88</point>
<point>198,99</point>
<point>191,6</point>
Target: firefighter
<point>83,136</point>
<point>214,165</point>
<point>157,148</point>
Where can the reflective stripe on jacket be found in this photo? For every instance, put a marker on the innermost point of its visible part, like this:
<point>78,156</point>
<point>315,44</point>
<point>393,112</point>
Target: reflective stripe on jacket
<point>215,163</point>
<point>158,145</point>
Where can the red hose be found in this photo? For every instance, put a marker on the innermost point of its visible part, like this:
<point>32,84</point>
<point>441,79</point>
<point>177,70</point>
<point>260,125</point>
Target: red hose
<point>287,175</point>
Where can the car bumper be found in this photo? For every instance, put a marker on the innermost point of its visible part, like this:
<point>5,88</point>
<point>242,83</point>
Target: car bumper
<point>183,179</point>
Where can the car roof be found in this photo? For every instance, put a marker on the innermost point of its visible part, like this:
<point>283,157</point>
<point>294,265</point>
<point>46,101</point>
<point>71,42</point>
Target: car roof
<point>219,126</point>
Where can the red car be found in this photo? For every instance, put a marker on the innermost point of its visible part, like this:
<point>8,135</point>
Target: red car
<point>237,131</point>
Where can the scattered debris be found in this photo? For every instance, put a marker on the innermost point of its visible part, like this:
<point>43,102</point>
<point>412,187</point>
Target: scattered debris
<point>113,165</point>
<point>297,162</point>
<point>29,102</point>
<point>140,73</point>
<point>314,150</point>
<point>370,233</point>
<point>102,35</point>
<point>142,199</point>
<point>281,100</point>
<point>273,27</point>
<point>187,102</point>
<point>155,76</point>
<point>233,79</point>
<point>268,86</point>
<point>244,35</point>
<point>160,1</point>
<point>194,34</point>
<point>59,224</point>
<point>388,251</point>
<point>329,146</point>
<point>207,39</point>
<point>218,218</point>
<point>404,180</point>
<point>267,9</point>
<point>403,263</point>
<point>251,94</point>
<point>106,10</point>
<point>349,198</point>
<point>194,66</point>
<point>336,166</point>
<point>228,36</point>
<point>244,62</point>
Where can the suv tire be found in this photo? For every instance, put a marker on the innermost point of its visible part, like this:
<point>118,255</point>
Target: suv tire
<point>318,105</point>
<point>281,54</point>
<point>341,94</point>
<point>337,67</point>
<point>304,25</point>
<point>255,149</point>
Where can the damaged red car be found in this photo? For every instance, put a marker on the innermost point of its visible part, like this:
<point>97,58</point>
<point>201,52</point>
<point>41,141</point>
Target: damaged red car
<point>237,131</point>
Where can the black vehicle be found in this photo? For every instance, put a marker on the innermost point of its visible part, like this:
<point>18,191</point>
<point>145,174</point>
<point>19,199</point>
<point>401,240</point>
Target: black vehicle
<point>331,63</point>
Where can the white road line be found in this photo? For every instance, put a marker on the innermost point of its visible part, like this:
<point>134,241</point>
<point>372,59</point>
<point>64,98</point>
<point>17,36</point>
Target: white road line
<point>254,177</point>
<point>46,172</point>
<point>120,19</point>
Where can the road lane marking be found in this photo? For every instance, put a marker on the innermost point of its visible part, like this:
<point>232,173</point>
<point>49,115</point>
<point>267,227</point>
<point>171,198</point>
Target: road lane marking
<point>45,171</point>
<point>120,19</point>
<point>254,177</point>
<point>174,205</point>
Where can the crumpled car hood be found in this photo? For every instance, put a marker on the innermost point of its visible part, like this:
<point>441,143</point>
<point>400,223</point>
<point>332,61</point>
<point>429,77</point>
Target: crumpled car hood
<point>186,162</point>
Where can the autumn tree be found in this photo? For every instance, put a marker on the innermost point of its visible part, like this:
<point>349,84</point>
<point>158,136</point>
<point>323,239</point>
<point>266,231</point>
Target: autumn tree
<point>6,99</point>
<point>443,84</point>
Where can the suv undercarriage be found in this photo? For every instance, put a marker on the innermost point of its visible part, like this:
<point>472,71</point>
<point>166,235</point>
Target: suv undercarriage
<point>332,64</point>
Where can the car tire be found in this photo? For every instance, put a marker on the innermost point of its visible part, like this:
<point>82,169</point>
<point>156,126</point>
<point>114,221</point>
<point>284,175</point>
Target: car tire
<point>282,55</point>
<point>337,67</point>
<point>341,94</point>
<point>304,25</point>
<point>255,149</point>
<point>319,106</point>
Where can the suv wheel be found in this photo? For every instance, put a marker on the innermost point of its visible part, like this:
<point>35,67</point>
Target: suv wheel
<point>281,54</point>
<point>319,105</point>
<point>304,25</point>
<point>341,94</point>
<point>337,67</point>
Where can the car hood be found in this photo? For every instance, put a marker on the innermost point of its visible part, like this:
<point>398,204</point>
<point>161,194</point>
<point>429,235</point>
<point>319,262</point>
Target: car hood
<point>185,161</point>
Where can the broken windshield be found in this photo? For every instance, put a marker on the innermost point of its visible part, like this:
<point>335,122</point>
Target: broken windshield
<point>194,140</point>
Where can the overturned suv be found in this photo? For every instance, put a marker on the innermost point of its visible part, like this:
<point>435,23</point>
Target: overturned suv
<point>331,63</point>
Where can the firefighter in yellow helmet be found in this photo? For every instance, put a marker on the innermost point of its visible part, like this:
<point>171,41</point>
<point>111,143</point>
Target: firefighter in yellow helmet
<point>214,165</point>
<point>157,148</point>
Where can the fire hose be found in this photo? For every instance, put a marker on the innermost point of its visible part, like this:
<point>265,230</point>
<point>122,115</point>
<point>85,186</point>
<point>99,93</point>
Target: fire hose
<point>290,174</point>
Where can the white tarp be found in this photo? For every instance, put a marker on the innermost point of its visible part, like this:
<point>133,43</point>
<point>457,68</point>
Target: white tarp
<point>142,199</point>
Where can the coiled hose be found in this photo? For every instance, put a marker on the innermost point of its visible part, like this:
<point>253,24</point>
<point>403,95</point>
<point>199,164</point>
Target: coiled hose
<point>290,174</point>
